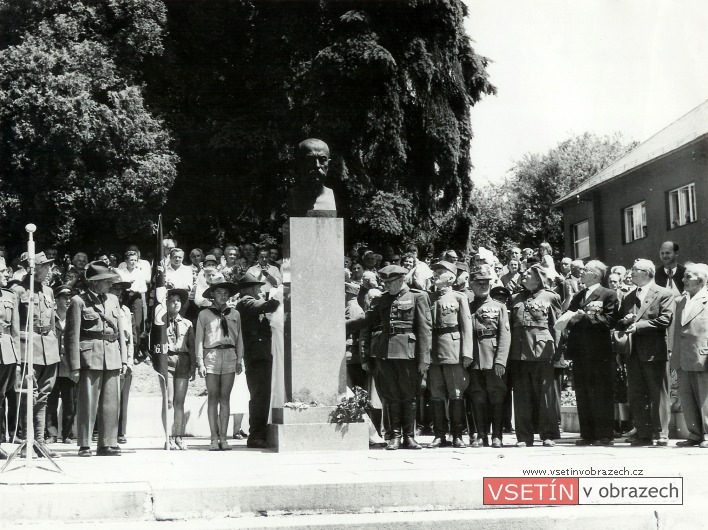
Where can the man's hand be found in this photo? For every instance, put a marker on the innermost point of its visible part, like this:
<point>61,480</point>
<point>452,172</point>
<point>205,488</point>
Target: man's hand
<point>632,328</point>
<point>422,368</point>
<point>365,367</point>
<point>74,376</point>
<point>499,370</point>
<point>123,368</point>
<point>466,362</point>
<point>202,370</point>
<point>239,367</point>
<point>193,375</point>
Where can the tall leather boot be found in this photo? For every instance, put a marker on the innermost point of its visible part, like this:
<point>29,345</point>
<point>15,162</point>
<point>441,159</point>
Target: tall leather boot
<point>439,424</point>
<point>408,409</point>
<point>385,417</point>
<point>479,408</point>
<point>471,425</point>
<point>497,424</point>
<point>457,422</point>
<point>394,421</point>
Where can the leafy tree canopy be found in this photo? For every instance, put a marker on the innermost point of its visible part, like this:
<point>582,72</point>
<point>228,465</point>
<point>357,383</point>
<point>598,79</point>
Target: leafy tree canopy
<point>520,212</point>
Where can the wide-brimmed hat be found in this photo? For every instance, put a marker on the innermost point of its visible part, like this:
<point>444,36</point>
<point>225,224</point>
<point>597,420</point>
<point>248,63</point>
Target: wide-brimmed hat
<point>39,259</point>
<point>247,280</point>
<point>97,270</point>
<point>182,293</point>
<point>481,272</point>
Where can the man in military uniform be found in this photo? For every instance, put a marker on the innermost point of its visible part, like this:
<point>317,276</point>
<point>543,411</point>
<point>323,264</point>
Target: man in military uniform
<point>401,350</point>
<point>97,358</point>
<point>257,354</point>
<point>462,281</point>
<point>451,354</point>
<point>45,345</point>
<point>533,351</point>
<point>9,342</point>
<point>492,338</point>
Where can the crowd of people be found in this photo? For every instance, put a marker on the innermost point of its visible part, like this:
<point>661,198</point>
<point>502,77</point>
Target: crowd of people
<point>453,343</point>
<point>89,328</point>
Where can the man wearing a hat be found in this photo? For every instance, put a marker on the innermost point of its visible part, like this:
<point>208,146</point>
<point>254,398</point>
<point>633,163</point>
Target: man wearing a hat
<point>402,352</point>
<point>210,268</point>
<point>9,345</point>
<point>44,342</point>
<point>257,354</point>
<point>451,354</point>
<point>534,312</point>
<point>97,358</point>
<point>492,338</point>
<point>462,280</point>
<point>121,282</point>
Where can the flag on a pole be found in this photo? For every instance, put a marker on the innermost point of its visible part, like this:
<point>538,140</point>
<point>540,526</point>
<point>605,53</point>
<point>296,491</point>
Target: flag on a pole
<point>158,319</point>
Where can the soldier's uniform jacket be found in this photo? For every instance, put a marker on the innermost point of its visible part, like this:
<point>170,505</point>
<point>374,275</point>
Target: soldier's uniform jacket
<point>255,326</point>
<point>93,329</point>
<point>398,327</point>
<point>9,328</point>
<point>533,316</point>
<point>492,336</point>
<point>452,327</point>
<point>45,345</point>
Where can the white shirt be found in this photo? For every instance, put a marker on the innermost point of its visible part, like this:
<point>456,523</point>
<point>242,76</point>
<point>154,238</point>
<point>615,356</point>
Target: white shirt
<point>180,278</point>
<point>590,290</point>
<point>144,267</point>
<point>272,271</point>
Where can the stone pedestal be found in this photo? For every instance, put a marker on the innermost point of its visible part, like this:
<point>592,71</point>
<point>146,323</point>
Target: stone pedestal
<point>315,368</point>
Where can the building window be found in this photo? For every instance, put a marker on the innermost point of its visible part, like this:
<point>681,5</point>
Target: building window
<point>682,205</point>
<point>635,222</point>
<point>581,240</point>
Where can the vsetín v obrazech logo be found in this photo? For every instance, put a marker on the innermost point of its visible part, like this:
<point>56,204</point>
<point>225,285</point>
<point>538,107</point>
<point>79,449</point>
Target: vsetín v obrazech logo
<point>581,490</point>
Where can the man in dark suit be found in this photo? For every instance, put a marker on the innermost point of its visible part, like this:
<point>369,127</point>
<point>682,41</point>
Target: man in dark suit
<point>590,349</point>
<point>670,274</point>
<point>646,313</point>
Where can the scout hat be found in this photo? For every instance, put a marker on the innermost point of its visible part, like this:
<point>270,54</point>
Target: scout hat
<point>391,272</point>
<point>482,272</point>
<point>39,259</point>
<point>219,281</point>
<point>63,290</point>
<point>462,267</point>
<point>450,267</point>
<point>97,270</point>
<point>182,293</point>
<point>247,280</point>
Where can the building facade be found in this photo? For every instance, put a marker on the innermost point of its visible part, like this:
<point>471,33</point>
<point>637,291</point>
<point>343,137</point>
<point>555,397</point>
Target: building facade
<point>657,192</point>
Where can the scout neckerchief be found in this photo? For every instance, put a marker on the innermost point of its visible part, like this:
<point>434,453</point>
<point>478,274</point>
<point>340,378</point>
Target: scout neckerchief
<point>222,318</point>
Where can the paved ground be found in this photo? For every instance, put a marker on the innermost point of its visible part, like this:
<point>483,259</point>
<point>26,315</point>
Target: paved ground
<point>148,485</point>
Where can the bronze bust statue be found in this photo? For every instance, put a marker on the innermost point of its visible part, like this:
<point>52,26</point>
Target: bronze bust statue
<point>310,197</point>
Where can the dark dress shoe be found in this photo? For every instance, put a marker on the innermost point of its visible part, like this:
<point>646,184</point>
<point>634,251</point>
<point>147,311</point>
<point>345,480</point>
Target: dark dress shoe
<point>641,442</point>
<point>438,442</point>
<point>84,451</point>
<point>122,440</point>
<point>393,444</point>
<point>662,442</point>
<point>687,443</point>
<point>583,442</point>
<point>496,443</point>
<point>256,443</point>
<point>604,442</point>
<point>108,451</point>
<point>410,443</point>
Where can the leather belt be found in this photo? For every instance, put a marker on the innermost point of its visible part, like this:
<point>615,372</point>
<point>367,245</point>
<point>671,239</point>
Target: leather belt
<point>42,330</point>
<point>448,329</point>
<point>398,330</point>
<point>222,347</point>
<point>486,333</point>
<point>98,335</point>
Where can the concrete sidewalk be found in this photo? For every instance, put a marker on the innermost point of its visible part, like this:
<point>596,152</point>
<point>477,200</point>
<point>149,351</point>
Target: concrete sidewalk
<point>239,488</point>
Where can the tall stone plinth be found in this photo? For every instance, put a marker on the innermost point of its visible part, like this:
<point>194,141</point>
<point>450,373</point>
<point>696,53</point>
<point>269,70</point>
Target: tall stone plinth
<point>315,339</point>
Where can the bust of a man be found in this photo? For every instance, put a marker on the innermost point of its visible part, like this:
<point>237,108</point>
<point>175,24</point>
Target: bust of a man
<point>310,197</point>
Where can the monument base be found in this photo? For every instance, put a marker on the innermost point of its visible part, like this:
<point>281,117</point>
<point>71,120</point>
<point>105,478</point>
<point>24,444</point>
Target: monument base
<point>303,430</point>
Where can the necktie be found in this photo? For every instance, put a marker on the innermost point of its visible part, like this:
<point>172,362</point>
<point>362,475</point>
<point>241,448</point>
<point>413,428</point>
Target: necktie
<point>637,300</point>
<point>670,279</point>
<point>175,328</point>
<point>222,319</point>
